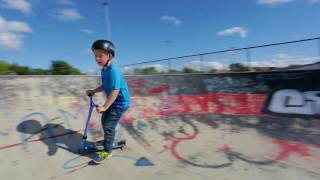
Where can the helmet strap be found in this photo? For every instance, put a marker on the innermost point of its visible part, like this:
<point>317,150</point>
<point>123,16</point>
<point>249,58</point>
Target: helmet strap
<point>107,64</point>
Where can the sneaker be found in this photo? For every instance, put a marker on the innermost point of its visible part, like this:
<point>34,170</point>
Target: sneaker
<point>99,145</point>
<point>101,156</point>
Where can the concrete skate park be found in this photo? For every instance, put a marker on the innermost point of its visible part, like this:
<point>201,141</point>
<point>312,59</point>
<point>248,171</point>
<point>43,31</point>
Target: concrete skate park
<point>238,126</point>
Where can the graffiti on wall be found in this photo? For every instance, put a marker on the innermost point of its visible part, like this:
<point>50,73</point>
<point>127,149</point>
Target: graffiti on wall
<point>229,100</point>
<point>201,127</point>
<point>233,85</point>
<point>294,102</point>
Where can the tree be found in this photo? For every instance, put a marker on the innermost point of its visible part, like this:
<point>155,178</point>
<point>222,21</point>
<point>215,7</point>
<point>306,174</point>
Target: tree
<point>40,72</point>
<point>21,70</point>
<point>59,67</point>
<point>4,68</point>
<point>213,71</point>
<point>238,67</point>
<point>148,70</point>
<point>189,70</point>
<point>173,71</point>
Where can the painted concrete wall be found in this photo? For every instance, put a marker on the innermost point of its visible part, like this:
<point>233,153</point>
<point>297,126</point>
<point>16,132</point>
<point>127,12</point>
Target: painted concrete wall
<point>239,126</point>
<point>276,112</point>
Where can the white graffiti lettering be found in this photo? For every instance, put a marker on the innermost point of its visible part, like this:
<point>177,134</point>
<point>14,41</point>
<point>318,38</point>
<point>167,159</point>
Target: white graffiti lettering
<point>290,101</point>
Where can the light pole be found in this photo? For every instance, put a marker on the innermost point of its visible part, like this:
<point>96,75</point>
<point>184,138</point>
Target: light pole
<point>167,42</point>
<point>232,55</point>
<point>319,51</point>
<point>249,59</point>
<point>108,24</point>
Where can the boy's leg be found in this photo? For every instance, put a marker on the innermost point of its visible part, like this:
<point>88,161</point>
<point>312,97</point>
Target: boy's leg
<point>109,123</point>
<point>109,120</point>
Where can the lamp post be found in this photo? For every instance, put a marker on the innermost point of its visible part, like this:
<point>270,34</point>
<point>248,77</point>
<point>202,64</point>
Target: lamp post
<point>108,24</point>
<point>167,42</point>
<point>249,59</point>
<point>319,51</point>
<point>232,55</point>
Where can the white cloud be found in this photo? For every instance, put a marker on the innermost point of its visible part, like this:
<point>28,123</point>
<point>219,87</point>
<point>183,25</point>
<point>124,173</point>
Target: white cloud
<point>11,34</point>
<point>68,15</point>
<point>284,60</point>
<point>21,5</point>
<point>88,31</point>
<point>273,2</point>
<point>13,26</point>
<point>174,20</point>
<point>205,66</point>
<point>158,67</point>
<point>234,30</point>
<point>128,70</point>
<point>10,41</point>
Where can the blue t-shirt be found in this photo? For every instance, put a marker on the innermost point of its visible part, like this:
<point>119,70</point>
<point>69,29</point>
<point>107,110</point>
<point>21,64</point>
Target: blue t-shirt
<point>112,78</point>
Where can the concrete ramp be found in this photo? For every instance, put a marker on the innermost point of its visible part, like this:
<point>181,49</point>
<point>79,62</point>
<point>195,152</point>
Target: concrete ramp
<point>229,126</point>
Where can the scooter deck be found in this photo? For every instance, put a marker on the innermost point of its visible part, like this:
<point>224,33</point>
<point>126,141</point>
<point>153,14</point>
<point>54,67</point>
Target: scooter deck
<point>99,145</point>
<point>91,147</point>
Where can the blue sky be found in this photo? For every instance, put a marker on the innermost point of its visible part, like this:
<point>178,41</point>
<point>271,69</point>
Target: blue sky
<point>35,32</point>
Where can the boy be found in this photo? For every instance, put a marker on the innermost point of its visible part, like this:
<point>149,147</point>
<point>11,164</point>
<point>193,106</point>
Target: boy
<point>116,89</point>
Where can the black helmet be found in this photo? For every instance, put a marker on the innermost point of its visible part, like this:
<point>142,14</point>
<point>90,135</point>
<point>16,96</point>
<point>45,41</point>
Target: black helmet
<point>104,45</point>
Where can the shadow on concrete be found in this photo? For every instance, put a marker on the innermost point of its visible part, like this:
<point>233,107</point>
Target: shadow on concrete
<point>55,136</point>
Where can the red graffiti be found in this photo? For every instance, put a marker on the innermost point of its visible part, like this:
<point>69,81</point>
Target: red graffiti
<point>290,147</point>
<point>175,141</point>
<point>136,85</point>
<point>160,89</point>
<point>219,104</point>
<point>226,148</point>
<point>37,140</point>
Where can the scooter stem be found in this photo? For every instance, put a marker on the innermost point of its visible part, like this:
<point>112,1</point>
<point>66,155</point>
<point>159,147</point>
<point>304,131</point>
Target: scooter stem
<point>91,106</point>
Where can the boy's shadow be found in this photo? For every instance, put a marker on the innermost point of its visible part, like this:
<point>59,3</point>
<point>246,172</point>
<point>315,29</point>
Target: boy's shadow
<point>55,136</point>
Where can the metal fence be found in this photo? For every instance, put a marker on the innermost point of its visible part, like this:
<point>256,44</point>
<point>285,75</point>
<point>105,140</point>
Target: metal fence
<point>289,55</point>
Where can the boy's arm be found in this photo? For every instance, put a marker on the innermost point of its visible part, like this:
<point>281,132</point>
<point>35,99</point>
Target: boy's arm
<point>111,98</point>
<point>93,91</point>
<point>98,89</point>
